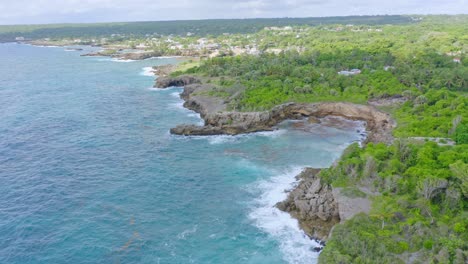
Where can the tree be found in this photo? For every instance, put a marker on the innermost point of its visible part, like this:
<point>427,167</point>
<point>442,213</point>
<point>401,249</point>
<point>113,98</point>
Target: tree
<point>460,171</point>
<point>461,134</point>
<point>431,186</point>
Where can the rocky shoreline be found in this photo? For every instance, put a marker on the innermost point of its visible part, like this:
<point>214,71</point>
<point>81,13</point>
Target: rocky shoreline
<point>317,206</point>
<point>125,55</point>
<point>118,53</point>
<point>218,120</point>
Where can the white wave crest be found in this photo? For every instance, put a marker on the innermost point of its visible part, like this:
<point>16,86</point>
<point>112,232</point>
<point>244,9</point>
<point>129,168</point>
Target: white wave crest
<point>188,232</point>
<point>121,60</point>
<point>176,94</point>
<point>163,89</point>
<point>147,71</point>
<point>223,139</point>
<point>295,245</point>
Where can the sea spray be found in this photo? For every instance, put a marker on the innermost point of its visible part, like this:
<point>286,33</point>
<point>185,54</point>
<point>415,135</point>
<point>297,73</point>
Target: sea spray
<point>295,245</point>
<point>147,71</point>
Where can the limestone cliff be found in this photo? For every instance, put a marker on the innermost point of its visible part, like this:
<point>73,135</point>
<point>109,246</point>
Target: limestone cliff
<point>313,204</point>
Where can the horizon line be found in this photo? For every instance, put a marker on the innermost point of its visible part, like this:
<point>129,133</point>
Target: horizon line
<point>214,19</point>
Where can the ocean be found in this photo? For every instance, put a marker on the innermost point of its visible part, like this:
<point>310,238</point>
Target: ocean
<point>90,174</point>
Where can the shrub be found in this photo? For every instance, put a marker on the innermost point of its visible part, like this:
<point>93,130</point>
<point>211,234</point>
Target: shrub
<point>461,134</point>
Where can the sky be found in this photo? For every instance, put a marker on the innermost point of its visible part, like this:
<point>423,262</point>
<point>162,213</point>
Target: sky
<point>87,11</point>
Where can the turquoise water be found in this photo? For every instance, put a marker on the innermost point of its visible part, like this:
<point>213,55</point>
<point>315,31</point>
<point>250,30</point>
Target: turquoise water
<point>90,174</point>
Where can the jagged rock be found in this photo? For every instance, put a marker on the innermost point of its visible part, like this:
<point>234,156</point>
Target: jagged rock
<point>313,204</point>
<point>125,56</point>
<point>94,54</point>
<point>388,100</point>
<point>137,55</point>
<point>164,70</point>
<point>351,206</point>
<point>189,130</point>
<point>313,120</point>
<point>219,120</point>
<point>165,82</point>
<point>378,124</point>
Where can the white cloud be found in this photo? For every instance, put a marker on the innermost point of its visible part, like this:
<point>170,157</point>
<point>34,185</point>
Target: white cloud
<point>46,11</point>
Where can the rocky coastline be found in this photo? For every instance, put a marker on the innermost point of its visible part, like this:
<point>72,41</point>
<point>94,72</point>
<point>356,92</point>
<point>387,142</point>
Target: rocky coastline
<point>218,120</point>
<point>317,205</point>
<point>115,52</point>
<point>124,55</point>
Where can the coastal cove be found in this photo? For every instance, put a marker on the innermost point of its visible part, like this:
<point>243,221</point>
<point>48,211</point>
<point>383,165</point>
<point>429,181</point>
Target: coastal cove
<point>317,205</point>
<point>92,174</point>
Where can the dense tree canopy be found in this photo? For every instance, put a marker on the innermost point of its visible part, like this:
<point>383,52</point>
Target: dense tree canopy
<point>419,214</point>
<point>198,27</point>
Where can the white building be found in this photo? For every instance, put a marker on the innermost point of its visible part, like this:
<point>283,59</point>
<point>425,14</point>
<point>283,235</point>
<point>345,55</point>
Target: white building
<point>351,72</point>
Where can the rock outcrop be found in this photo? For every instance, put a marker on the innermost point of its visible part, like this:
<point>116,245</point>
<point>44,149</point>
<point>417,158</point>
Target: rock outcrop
<point>348,207</point>
<point>164,70</point>
<point>220,121</point>
<point>124,55</point>
<point>316,205</point>
<point>137,55</point>
<point>165,82</point>
<point>95,54</point>
<point>388,100</point>
<point>313,204</point>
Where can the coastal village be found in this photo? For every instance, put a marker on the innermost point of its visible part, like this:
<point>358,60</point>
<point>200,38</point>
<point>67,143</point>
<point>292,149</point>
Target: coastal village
<point>189,44</point>
<point>270,40</point>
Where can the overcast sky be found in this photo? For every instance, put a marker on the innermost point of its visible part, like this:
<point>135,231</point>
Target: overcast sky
<point>58,11</point>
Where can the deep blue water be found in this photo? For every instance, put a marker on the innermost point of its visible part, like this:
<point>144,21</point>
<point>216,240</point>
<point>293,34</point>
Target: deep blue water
<point>90,174</point>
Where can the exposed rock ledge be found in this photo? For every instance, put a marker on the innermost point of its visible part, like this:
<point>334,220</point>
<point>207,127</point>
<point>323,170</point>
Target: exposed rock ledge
<point>317,206</point>
<point>379,125</point>
<point>220,121</point>
<point>313,204</point>
<point>125,55</point>
<point>164,82</point>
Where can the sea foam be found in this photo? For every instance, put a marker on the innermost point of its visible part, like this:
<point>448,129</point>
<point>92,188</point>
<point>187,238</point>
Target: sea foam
<point>163,89</point>
<point>121,60</point>
<point>147,71</point>
<point>295,245</point>
<point>228,139</point>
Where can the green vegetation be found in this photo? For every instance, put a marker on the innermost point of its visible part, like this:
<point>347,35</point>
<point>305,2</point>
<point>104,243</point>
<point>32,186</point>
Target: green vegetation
<point>436,113</point>
<point>419,210</point>
<point>412,62</point>
<point>186,65</point>
<point>197,27</point>
<point>461,134</point>
<point>108,52</point>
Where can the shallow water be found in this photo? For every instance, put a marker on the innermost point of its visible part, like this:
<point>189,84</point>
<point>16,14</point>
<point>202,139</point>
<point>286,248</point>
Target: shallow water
<point>90,174</point>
